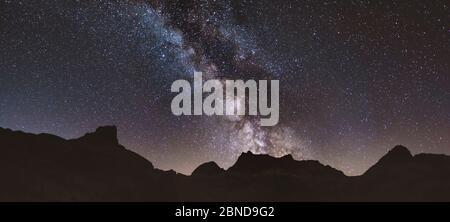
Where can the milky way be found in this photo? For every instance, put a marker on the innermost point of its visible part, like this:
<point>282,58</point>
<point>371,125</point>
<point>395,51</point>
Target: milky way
<point>356,77</point>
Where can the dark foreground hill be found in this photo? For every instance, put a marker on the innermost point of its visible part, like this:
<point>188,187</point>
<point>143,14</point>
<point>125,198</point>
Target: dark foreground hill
<point>96,167</point>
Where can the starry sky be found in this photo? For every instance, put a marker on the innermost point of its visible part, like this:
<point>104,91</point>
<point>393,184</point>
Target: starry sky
<point>356,77</point>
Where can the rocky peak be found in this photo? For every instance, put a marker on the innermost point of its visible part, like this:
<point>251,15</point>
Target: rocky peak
<point>208,169</point>
<point>397,154</point>
<point>104,136</point>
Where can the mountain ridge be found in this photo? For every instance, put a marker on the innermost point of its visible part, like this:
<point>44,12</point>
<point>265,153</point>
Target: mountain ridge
<point>95,167</point>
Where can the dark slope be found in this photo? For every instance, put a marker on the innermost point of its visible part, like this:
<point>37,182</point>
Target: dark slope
<point>400,176</point>
<point>208,169</point>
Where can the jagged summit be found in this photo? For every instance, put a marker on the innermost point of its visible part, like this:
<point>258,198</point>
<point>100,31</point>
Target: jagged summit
<point>104,136</point>
<point>251,155</point>
<point>249,163</point>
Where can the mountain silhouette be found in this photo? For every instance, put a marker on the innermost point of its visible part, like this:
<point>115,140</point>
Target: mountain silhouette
<point>95,167</point>
<point>401,176</point>
<point>251,164</point>
<point>208,169</point>
<point>395,158</point>
<point>92,168</point>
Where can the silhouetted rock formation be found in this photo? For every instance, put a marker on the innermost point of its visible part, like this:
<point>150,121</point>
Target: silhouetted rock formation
<point>96,167</point>
<point>208,169</point>
<point>401,176</point>
<point>251,164</point>
<point>398,156</point>
<point>105,136</point>
<point>92,168</point>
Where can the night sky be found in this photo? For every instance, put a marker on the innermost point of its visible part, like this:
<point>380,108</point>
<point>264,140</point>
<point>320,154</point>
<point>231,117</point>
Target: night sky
<point>356,77</point>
